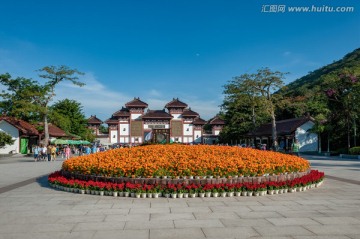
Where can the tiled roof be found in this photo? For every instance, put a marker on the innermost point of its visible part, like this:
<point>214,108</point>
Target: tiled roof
<point>283,127</point>
<point>199,121</point>
<point>112,120</point>
<point>189,113</point>
<point>216,121</point>
<point>156,114</point>
<point>137,103</point>
<point>94,120</point>
<point>54,131</point>
<point>122,112</point>
<point>176,103</point>
<point>24,127</point>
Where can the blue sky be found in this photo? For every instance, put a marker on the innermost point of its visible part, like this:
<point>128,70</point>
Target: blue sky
<point>160,49</point>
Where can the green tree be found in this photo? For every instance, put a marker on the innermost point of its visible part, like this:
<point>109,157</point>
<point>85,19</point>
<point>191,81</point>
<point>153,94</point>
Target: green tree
<point>54,75</point>
<point>343,92</point>
<point>68,115</point>
<point>5,139</point>
<point>255,94</point>
<point>20,97</point>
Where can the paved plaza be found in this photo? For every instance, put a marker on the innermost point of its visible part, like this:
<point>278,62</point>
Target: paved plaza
<point>29,208</point>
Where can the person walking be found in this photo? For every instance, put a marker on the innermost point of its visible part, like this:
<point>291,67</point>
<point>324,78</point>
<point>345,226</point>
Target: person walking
<point>36,153</point>
<point>43,153</point>
<point>295,147</point>
<point>67,152</point>
<point>48,152</point>
<point>53,153</point>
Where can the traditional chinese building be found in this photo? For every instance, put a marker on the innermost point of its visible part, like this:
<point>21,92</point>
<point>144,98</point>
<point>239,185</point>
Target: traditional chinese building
<point>136,124</point>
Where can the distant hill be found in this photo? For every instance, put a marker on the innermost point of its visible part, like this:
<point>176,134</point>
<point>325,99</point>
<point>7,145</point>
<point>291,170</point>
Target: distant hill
<point>313,80</point>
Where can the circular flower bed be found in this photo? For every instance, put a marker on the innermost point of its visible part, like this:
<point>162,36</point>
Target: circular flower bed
<point>185,161</point>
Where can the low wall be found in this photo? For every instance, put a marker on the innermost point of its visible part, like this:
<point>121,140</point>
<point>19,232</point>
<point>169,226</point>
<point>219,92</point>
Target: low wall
<point>203,181</point>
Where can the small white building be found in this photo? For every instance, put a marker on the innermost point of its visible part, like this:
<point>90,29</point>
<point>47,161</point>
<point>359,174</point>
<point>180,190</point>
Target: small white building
<point>287,131</point>
<point>22,132</point>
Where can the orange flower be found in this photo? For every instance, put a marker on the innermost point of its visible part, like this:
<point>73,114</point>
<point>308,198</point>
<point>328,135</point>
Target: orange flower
<point>181,160</point>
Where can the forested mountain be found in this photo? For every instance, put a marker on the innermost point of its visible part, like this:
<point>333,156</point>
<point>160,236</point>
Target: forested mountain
<point>312,81</point>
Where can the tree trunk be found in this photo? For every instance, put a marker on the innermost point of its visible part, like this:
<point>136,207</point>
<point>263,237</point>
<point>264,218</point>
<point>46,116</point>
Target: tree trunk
<point>46,130</point>
<point>273,131</point>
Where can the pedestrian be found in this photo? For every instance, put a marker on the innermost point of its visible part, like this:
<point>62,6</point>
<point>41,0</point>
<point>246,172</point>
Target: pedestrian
<point>53,153</point>
<point>295,147</point>
<point>43,153</point>
<point>48,152</point>
<point>67,152</point>
<point>36,153</point>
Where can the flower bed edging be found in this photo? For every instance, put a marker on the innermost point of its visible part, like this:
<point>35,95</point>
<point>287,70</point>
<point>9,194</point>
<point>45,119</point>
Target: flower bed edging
<point>180,190</point>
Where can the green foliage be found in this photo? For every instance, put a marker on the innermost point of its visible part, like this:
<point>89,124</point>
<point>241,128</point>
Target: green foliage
<point>249,101</point>
<point>5,139</point>
<point>355,151</point>
<point>332,92</point>
<point>67,114</point>
<point>103,129</point>
<point>21,97</point>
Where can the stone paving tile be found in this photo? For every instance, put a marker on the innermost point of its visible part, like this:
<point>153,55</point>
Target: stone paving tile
<point>32,219</point>
<point>99,226</point>
<point>321,237</point>
<point>333,230</point>
<point>134,225</point>
<point>78,219</point>
<point>230,208</point>
<point>198,223</point>
<point>275,237</point>
<point>245,222</point>
<point>190,209</point>
<point>206,203</point>
<point>169,203</point>
<point>236,232</point>
<point>259,215</point>
<point>354,236</point>
<point>133,234</point>
<point>92,206</point>
<point>341,213</point>
<point>171,216</point>
<point>149,210</point>
<point>292,221</point>
<point>337,220</point>
<point>297,214</point>
<point>282,203</point>
<point>243,203</point>
<point>47,235</point>
<point>122,211</point>
<point>308,207</point>
<point>18,228</point>
<point>128,217</point>
<point>56,212</point>
<point>216,215</point>
<point>283,231</point>
<point>177,233</point>
<point>268,208</point>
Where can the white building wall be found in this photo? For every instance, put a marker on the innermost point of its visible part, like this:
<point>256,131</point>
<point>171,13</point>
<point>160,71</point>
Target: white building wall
<point>188,129</point>
<point>308,141</point>
<point>124,140</point>
<point>113,136</point>
<point>14,132</point>
<point>135,116</point>
<point>217,132</point>
<point>124,129</point>
<point>176,116</point>
<point>197,136</point>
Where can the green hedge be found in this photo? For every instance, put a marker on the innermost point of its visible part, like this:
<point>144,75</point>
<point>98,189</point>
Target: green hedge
<point>355,151</point>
